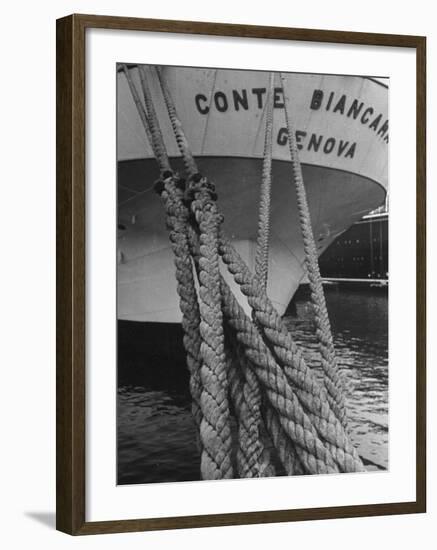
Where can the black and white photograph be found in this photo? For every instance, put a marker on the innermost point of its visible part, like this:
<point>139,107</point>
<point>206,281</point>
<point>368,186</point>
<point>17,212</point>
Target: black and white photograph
<point>252,273</point>
<point>218,287</point>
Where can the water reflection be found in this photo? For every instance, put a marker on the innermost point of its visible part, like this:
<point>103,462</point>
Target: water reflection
<point>359,320</point>
<point>156,434</point>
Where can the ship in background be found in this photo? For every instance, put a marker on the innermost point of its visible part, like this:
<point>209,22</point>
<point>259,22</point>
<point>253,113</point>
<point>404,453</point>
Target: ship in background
<point>359,256</point>
<point>341,127</point>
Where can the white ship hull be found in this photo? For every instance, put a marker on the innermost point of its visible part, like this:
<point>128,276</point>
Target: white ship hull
<point>344,161</point>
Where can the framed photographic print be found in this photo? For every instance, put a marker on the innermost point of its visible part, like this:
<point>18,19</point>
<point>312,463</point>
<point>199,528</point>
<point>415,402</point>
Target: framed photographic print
<point>240,274</point>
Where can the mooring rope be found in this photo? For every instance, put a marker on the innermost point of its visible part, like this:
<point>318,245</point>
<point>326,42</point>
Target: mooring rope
<point>188,300</point>
<point>246,399</point>
<point>249,386</point>
<point>312,396</point>
<point>257,366</point>
<point>150,123</point>
<point>333,381</point>
<point>262,249</point>
<point>253,458</point>
<point>295,421</point>
<point>181,140</point>
<point>215,428</point>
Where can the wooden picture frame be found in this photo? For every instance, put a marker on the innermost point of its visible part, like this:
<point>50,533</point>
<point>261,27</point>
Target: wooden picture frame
<point>71,253</point>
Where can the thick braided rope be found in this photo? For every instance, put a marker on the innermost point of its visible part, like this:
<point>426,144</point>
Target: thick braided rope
<point>246,419</point>
<point>311,394</point>
<point>192,170</point>
<point>159,148</point>
<point>176,221</point>
<point>263,353</point>
<point>333,381</point>
<point>313,468</point>
<point>285,447</point>
<point>151,126</point>
<point>246,398</point>
<point>280,439</point>
<point>188,301</point>
<point>295,423</point>
<point>294,413</point>
<point>247,401</point>
<point>253,394</point>
<point>247,464</point>
<point>235,383</point>
<point>313,454</point>
<point>178,131</point>
<point>262,249</point>
<point>215,429</point>
<point>305,438</point>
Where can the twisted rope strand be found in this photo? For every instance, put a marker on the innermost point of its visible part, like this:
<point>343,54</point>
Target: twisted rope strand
<point>285,447</point>
<point>155,129</point>
<point>181,140</point>
<point>253,460</point>
<point>188,300</point>
<point>192,170</point>
<point>151,125</point>
<point>295,423</point>
<point>240,374</point>
<point>215,429</point>
<point>262,249</point>
<point>333,381</point>
<point>176,221</point>
<point>311,394</point>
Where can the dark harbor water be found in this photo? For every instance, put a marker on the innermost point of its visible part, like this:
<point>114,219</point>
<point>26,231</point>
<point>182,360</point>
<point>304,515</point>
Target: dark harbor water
<point>156,434</point>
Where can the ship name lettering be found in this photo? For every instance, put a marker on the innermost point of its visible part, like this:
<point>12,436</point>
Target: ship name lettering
<point>351,108</point>
<point>318,142</point>
<point>237,100</point>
